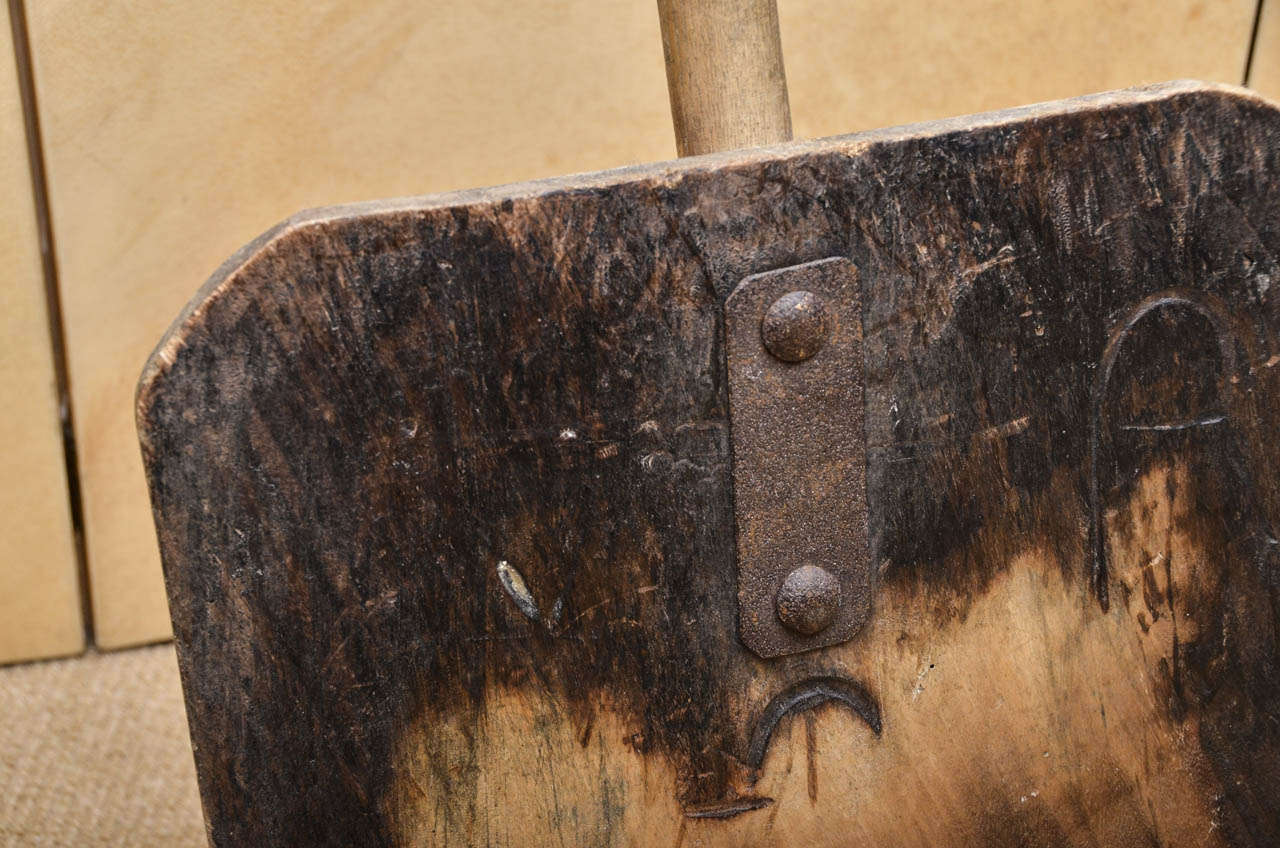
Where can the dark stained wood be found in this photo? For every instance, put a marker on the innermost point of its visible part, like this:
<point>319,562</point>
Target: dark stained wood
<point>444,487</point>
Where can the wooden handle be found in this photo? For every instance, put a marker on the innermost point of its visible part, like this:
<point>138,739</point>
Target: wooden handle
<point>724,72</point>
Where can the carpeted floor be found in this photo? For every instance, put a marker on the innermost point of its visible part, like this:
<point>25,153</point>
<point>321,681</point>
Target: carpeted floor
<point>94,752</point>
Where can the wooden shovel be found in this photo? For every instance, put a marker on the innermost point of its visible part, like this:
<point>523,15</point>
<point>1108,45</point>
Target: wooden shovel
<point>911,488</point>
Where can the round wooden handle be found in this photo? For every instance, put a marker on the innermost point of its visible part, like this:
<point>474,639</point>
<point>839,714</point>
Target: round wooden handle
<point>724,72</point>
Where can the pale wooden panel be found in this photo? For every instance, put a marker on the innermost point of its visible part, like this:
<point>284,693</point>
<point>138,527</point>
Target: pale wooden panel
<point>860,64</point>
<point>39,588</point>
<point>1265,73</point>
<point>176,132</point>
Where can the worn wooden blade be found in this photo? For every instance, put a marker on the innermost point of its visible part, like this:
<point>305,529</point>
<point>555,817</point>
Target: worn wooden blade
<point>443,488</point>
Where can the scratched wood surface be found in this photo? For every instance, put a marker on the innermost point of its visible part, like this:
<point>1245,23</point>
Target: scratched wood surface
<point>443,492</point>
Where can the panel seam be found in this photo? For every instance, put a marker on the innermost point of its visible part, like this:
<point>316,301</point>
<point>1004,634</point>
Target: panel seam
<point>53,300</point>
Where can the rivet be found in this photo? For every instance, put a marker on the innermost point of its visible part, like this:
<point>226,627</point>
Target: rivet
<point>796,326</point>
<point>808,600</point>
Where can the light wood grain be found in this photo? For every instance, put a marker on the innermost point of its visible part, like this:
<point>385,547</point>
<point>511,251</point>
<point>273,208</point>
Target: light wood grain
<point>860,64</point>
<point>39,588</point>
<point>725,74</point>
<point>1038,706</point>
<point>177,131</point>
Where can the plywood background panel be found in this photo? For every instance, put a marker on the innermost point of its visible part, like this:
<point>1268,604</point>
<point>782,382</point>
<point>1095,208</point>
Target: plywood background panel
<point>39,589</point>
<point>176,132</point>
<point>860,64</point>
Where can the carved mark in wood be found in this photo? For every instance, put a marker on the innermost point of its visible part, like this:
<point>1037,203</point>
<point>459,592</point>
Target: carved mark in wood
<point>1183,336</point>
<point>805,695</point>
<point>1196,397</point>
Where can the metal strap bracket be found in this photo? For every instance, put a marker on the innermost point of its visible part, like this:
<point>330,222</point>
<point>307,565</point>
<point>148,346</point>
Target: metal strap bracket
<point>796,408</point>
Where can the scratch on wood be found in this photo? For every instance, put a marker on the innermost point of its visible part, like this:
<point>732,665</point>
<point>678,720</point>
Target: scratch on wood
<point>729,809</point>
<point>811,754</point>
<point>513,582</point>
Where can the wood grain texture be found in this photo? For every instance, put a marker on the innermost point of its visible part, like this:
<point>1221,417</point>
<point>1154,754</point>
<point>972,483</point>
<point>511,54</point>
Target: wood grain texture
<point>177,132</point>
<point>725,74</point>
<point>443,490</point>
<point>39,584</point>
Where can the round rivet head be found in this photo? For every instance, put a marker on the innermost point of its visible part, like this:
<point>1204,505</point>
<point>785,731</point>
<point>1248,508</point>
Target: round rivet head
<point>808,600</point>
<point>796,326</point>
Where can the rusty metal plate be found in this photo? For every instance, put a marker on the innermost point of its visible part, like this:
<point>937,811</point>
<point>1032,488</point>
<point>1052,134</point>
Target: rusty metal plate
<point>794,344</point>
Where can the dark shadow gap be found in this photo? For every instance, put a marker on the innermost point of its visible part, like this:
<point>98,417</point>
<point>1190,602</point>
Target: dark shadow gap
<point>1253,42</point>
